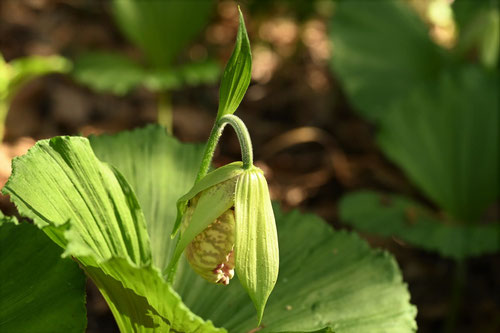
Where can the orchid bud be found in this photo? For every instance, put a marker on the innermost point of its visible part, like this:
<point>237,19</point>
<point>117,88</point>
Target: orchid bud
<point>227,223</point>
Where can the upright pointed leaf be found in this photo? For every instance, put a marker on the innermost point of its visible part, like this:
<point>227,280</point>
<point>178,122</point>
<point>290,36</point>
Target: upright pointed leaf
<point>40,291</point>
<point>237,73</point>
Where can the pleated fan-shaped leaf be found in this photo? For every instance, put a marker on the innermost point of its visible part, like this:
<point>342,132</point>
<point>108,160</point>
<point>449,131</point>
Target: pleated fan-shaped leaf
<point>160,169</point>
<point>329,280</point>
<point>445,137</point>
<point>88,208</point>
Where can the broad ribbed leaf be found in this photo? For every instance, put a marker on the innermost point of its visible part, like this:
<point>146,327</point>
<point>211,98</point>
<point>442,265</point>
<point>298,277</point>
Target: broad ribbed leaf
<point>381,51</point>
<point>445,137</point>
<point>89,208</point>
<point>161,28</point>
<point>327,278</point>
<point>160,169</point>
<point>108,72</point>
<point>40,291</point>
<point>397,216</point>
<point>61,180</point>
<point>237,74</point>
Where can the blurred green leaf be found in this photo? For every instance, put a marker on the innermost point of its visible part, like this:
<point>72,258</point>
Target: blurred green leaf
<point>24,69</point>
<point>88,208</point>
<point>381,52</point>
<point>397,216</point>
<point>40,291</point>
<point>237,74</point>
<point>205,72</point>
<point>445,137</point>
<point>162,28</point>
<point>19,71</point>
<point>108,72</point>
<point>332,279</point>
<point>191,74</point>
<point>478,25</point>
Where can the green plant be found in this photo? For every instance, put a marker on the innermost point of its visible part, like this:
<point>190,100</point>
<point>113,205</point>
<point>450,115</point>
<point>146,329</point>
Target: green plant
<point>436,112</point>
<point>437,118</point>
<point>16,73</point>
<point>111,203</point>
<point>161,29</point>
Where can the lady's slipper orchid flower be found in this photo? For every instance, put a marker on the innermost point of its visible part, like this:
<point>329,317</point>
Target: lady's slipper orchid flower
<point>227,223</point>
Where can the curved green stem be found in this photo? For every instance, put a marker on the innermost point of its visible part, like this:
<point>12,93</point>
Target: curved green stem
<point>243,137</point>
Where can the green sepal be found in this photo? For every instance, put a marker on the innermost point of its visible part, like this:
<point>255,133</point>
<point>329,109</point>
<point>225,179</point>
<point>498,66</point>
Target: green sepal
<point>215,177</point>
<point>212,203</point>
<point>237,74</point>
<point>256,246</point>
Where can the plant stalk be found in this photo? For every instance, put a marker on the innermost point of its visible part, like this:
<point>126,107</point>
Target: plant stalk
<point>243,137</point>
<point>165,111</point>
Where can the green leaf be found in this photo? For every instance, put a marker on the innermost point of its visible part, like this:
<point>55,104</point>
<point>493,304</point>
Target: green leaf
<point>88,207</point>
<point>328,279</point>
<point>204,72</point>
<point>256,246</point>
<point>397,216</point>
<point>237,74</point>
<point>40,291</point>
<point>161,28</point>
<point>61,180</point>
<point>166,171</point>
<point>381,51</point>
<point>478,24</point>
<point>445,137</point>
<point>19,71</point>
<point>108,72</point>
